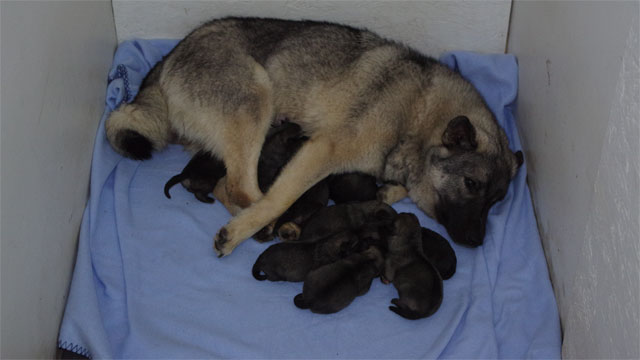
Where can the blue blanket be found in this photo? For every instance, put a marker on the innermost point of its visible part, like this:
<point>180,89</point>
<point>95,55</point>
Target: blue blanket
<point>147,283</point>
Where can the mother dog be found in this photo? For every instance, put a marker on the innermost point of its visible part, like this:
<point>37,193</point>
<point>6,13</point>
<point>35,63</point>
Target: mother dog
<point>367,104</point>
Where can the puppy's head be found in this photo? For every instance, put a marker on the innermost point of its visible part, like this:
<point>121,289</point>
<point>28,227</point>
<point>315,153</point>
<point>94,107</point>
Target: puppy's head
<point>406,230</point>
<point>377,212</point>
<point>463,177</point>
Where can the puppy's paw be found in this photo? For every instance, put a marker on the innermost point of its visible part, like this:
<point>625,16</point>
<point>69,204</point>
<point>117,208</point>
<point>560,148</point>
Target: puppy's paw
<point>384,280</point>
<point>391,193</point>
<point>265,234</point>
<point>289,231</point>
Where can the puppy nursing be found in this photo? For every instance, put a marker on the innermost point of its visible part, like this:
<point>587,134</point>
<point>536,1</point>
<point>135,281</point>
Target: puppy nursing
<point>340,249</point>
<point>199,177</point>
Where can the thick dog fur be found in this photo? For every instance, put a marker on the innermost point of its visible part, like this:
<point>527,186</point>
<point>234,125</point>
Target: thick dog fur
<point>332,287</point>
<point>366,103</point>
<point>291,261</point>
<point>418,282</point>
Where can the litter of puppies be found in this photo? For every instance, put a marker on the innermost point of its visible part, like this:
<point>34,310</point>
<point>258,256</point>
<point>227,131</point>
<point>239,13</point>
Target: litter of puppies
<point>338,250</point>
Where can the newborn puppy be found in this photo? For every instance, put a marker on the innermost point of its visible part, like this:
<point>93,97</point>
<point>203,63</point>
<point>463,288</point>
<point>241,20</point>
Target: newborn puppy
<point>289,225</point>
<point>349,216</point>
<point>350,187</point>
<point>292,261</point>
<point>332,287</point>
<point>199,177</point>
<point>418,282</point>
<point>438,251</point>
<point>281,143</point>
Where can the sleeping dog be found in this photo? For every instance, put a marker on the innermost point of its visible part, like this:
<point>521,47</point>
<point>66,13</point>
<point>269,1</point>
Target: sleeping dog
<point>292,261</point>
<point>367,104</point>
<point>332,287</point>
<point>418,282</point>
<point>350,216</point>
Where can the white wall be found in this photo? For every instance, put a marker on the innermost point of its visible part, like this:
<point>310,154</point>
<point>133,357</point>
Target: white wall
<point>54,63</point>
<point>430,26</point>
<point>579,120</point>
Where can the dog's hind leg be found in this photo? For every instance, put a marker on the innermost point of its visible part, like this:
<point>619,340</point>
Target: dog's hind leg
<point>313,162</point>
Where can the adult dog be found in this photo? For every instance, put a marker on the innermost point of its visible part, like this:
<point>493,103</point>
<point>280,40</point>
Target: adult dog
<point>366,103</point>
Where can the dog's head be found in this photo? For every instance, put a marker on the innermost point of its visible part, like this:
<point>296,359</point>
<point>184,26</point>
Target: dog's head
<point>463,177</point>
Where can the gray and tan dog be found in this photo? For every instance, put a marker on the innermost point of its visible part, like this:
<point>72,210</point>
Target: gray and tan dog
<point>366,103</point>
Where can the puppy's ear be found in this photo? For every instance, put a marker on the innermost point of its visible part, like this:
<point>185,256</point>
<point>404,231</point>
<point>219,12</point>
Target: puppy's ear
<point>460,134</point>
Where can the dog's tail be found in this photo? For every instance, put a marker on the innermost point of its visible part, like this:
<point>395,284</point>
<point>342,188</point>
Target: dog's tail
<point>137,129</point>
<point>299,301</point>
<point>257,272</point>
<point>174,180</point>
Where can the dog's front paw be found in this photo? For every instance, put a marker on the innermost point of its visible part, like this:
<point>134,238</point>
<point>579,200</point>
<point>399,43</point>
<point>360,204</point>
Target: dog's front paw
<point>221,243</point>
<point>289,231</point>
<point>391,193</point>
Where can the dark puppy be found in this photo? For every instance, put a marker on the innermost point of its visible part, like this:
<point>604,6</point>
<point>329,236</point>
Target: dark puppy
<point>281,145</point>
<point>350,187</point>
<point>375,234</point>
<point>292,261</point>
<point>418,282</point>
<point>199,177</point>
<point>289,225</point>
<point>203,171</point>
<point>332,287</point>
<point>439,252</point>
<point>350,216</point>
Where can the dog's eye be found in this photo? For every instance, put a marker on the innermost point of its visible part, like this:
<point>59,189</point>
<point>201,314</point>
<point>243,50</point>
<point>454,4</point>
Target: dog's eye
<point>471,184</point>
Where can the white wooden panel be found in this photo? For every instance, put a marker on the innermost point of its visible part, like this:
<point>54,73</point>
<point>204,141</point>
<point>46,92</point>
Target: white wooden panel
<point>430,26</point>
<point>579,114</point>
<point>55,58</point>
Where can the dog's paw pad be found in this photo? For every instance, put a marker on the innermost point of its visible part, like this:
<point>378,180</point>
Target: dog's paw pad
<point>220,240</point>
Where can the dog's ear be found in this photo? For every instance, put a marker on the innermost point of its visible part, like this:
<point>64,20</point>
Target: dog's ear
<point>460,134</point>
